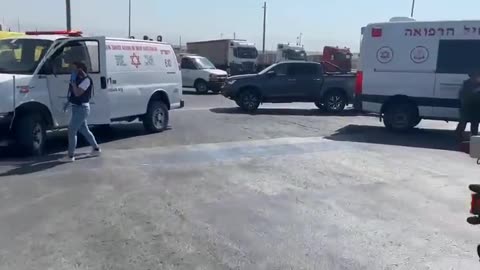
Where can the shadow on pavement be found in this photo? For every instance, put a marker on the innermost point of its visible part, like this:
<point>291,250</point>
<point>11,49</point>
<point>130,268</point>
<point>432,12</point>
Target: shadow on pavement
<point>193,92</point>
<point>421,138</point>
<point>284,111</point>
<point>57,143</point>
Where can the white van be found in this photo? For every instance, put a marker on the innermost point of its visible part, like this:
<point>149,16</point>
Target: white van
<point>132,79</point>
<point>200,73</point>
<point>413,70</point>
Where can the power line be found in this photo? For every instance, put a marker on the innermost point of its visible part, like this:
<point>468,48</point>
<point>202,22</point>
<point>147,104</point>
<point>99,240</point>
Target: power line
<point>69,15</point>
<point>264,25</point>
<point>413,8</point>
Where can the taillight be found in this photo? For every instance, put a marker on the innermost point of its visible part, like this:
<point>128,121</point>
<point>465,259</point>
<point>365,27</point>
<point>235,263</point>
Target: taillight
<point>359,83</point>
<point>475,204</point>
<point>377,32</point>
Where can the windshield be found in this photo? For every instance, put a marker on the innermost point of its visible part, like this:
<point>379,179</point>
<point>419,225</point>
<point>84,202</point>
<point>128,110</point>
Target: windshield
<point>21,56</point>
<point>245,52</point>
<point>296,55</point>
<point>203,63</point>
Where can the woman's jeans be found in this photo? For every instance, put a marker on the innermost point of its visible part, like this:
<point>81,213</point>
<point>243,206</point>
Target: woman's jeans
<point>78,123</point>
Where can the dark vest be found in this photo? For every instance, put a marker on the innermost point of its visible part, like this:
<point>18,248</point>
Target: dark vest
<point>85,97</point>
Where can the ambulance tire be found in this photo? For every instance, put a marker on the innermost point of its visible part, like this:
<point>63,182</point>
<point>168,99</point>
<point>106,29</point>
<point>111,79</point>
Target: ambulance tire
<point>156,118</point>
<point>401,117</point>
<point>31,134</point>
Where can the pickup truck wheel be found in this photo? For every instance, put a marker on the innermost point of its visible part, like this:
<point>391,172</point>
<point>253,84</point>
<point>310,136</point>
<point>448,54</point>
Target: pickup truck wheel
<point>201,87</point>
<point>335,101</point>
<point>156,118</point>
<point>249,100</point>
<point>400,117</point>
<point>31,134</point>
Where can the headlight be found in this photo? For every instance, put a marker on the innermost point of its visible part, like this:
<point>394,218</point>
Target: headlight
<point>213,77</point>
<point>230,82</point>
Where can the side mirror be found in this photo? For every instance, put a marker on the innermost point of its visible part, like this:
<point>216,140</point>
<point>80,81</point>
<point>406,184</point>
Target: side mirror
<point>271,73</point>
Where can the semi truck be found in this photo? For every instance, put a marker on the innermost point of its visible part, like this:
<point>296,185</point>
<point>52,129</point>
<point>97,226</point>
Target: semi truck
<point>285,52</point>
<point>232,55</point>
<point>334,59</point>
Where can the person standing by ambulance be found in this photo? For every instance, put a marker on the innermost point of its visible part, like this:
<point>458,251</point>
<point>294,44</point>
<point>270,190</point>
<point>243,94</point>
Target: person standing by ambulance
<point>79,94</point>
<point>469,97</point>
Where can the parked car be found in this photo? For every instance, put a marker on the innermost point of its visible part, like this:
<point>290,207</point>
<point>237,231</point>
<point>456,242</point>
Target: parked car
<point>200,73</point>
<point>133,79</point>
<point>292,81</point>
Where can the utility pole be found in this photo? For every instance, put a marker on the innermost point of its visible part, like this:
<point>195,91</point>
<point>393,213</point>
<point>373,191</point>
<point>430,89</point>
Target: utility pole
<point>413,8</point>
<point>180,43</point>
<point>234,35</point>
<point>18,24</point>
<point>69,15</point>
<point>129,18</point>
<point>264,25</point>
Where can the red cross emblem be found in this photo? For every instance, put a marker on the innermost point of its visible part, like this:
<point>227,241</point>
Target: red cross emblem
<point>135,60</point>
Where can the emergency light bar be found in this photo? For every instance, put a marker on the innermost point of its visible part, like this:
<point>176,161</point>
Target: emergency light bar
<point>64,33</point>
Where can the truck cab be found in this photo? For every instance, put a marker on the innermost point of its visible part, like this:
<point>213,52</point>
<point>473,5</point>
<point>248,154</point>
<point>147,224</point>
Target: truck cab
<point>336,59</point>
<point>243,57</point>
<point>287,52</point>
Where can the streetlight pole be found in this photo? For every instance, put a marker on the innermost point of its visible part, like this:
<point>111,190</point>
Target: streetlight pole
<point>264,25</point>
<point>413,8</point>
<point>129,18</point>
<point>69,15</point>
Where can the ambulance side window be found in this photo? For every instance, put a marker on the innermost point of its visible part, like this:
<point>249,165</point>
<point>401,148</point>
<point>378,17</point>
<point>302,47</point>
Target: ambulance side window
<point>72,52</point>
<point>458,56</point>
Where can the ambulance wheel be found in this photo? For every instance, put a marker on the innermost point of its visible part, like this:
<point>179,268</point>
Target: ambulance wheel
<point>31,134</point>
<point>401,117</point>
<point>201,87</point>
<point>156,118</point>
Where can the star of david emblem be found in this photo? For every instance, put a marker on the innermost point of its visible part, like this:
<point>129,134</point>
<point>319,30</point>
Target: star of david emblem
<point>135,60</point>
<point>385,54</point>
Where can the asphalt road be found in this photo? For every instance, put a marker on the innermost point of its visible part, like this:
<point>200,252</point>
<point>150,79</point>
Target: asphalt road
<point>287,188</point>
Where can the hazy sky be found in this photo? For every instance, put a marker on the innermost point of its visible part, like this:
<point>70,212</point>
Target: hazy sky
<point>333,22</point>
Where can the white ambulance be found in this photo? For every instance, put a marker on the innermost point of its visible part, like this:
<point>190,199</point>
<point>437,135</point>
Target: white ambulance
<point>133,79</point>
<point>411,70</point>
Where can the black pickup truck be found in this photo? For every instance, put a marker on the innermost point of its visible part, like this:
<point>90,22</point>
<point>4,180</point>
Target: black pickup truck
<point>292,81</point>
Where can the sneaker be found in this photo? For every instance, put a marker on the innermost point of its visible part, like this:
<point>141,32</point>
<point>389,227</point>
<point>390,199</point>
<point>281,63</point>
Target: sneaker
<point>67,159</point>
<point>96,152</point>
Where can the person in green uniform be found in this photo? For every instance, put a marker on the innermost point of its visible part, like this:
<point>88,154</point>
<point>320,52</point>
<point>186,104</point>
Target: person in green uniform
<point>469,97</point>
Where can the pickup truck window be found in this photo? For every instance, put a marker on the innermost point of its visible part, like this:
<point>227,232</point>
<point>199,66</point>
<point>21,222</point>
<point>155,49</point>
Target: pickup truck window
<point>300,69</point>
<point>281,70</point>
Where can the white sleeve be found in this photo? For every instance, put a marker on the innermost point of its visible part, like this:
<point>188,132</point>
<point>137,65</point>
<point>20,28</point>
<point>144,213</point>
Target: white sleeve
<point>85,84</point>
